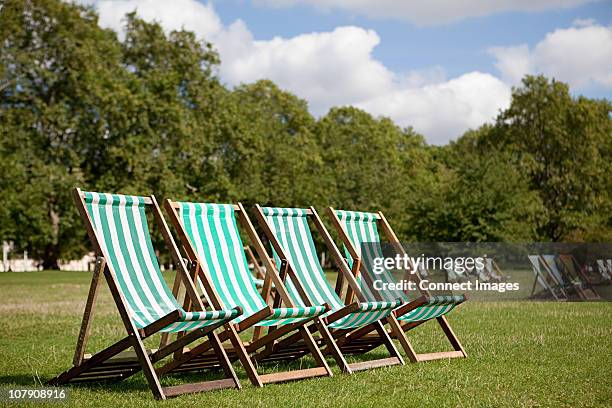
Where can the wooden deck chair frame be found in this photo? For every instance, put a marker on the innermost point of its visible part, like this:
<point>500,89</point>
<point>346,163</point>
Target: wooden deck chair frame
<point>345,341</point>
<point>398,329</point>
<point>111,364</point>
<point>542,277</point>
<point>566,282</point>
<point>258,269</point>
<point>570,266</point>
<point>274,348</point>
<point>495,272</point>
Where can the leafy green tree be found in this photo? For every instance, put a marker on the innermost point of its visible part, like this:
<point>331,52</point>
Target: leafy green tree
<point>562,144</point>
<point>273,157</point>
<point>476,195</point>
<point>372,163</point>
<point>60,83</point>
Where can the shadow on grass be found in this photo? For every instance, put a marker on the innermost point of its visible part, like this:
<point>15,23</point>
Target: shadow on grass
<point>137,381</point>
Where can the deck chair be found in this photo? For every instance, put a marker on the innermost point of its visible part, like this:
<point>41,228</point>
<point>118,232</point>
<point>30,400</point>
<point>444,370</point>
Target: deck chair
<point>117,227</point>
<point>569,280</point>
<point>580,277</point>
<point>359,230</point>
<point>603,270</point>
<point>211,239</point>
<point>294,252</point>
<point>546,279</point>
<point>493,270</point>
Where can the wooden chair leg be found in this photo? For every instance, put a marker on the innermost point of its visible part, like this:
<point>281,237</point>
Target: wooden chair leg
<point>333,348</point>
<point>88,312</point>
<point>228,369</point>
<point>450,334</point>
<point>388,342</point>
<point>243,356</point>
<point>147,366</point>
<point>314,350</point>
<point>400,335</point>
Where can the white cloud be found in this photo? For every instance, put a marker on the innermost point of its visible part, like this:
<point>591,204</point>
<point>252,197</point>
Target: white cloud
<point>337,68</point>
<point>326,68</point>
<point>428,12</point>
<point>172,15</point>
<point>513,62</point>
<point>580,55</point>
<point>444,110</point>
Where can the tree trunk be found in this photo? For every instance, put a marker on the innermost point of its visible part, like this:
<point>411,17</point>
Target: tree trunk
<point>50,258</point>
<point>51,255</point>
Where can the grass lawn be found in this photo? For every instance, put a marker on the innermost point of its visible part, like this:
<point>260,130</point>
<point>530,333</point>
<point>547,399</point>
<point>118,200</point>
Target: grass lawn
<point>520,354</point>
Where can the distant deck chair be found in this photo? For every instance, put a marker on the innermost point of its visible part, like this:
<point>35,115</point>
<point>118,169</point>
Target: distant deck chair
<point>295,255</point>
<point>604,270</point>
<point>493,270</point>
<point>359,230</point>
<point>579,276</point>
<point>117,227</point>
<point>568,278</point>
<point>544,277</point>
<point>211,239</point>
<point>455,276</point>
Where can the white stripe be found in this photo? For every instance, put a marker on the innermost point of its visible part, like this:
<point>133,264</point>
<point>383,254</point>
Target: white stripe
<point>160,285</point>
<point>142,309</point>
<point>550,261</point>
<point>309,274</point>
<point>239,256</point>
<point>535,267</point>
<point>215,268</point>
<point>133,260</point>
<point>96,210</point>
<point>226,255</point>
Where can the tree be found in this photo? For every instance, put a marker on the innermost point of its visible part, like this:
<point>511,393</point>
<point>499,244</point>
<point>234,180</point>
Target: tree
<point>60,80</point>
<point>372,163</point>
<point>475,195</point>
<point>562,144</point>
<point>80,108</point>
<point>273,157</point>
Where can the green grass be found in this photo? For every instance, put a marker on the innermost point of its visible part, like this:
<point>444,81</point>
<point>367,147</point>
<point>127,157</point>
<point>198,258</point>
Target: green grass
<point>520,354</point>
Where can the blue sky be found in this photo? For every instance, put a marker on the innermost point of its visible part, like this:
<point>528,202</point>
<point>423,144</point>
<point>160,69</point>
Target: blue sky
<point>441,72</point>
<point>458,47</point>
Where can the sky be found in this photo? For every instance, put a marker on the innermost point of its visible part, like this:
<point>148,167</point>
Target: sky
<point>439,66</point>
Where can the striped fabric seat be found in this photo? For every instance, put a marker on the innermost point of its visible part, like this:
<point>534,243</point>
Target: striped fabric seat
<point>537,271</point>
<point>551,262</point>
<point>213,232</point>
<point>362,230</point>
<point>121,227</point>
<point>290,227</point>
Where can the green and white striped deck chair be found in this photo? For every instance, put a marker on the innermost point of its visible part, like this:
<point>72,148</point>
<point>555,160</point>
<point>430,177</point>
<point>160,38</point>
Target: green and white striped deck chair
<point>118,228</point>
<point>361,240</point>
<point>293,246</point>
<point>210,235</point>
<point>545,279</point>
